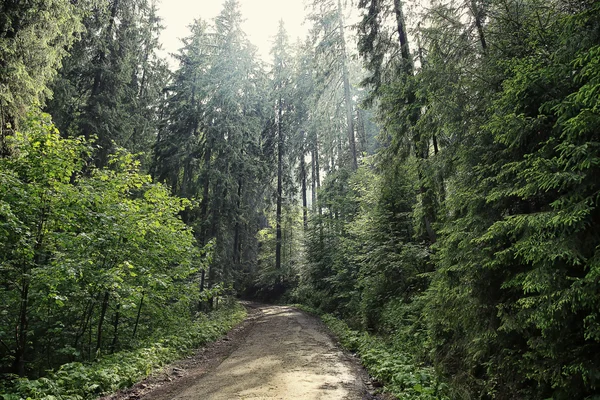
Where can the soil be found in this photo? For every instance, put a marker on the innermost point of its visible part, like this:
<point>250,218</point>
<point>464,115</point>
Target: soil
<point>278,352</point>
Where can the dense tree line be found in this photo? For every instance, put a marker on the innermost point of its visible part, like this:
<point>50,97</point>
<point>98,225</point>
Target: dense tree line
<point>471,238</point>
<point>427,174</point>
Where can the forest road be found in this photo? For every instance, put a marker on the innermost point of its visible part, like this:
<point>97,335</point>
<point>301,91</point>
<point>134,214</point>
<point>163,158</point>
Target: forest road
<point>285,354</point>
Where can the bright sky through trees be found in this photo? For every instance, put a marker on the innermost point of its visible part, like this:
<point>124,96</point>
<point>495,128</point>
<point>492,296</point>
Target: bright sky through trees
<point>261,20</point>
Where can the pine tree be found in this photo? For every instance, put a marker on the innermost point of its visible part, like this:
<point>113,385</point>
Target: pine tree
<point>333,64</point>
<point>111,85</point>
<point>34,38</point>
<point>511,308</point>
<point>211,144</point>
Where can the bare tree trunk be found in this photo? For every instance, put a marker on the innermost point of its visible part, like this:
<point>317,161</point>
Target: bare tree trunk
<point>236,234</point>
<point>313,180</point>
<point>361,131</point>
<point>401,28</point>
<point>204,208</point>
<point>317,171</point>
<point>279,186</point>
<point>220,196</point>
<point>101,321</point>
<point>478,15</point>
<point>202,279</point>
<point>347,93</point>
<point>427,202</point>
<point>85,318</point>
<point>22,327</point>
<point>304,199</point>
<point>89,347</point>
<point>113,345</point>
<point>19,362</point>
<point>139,313</point>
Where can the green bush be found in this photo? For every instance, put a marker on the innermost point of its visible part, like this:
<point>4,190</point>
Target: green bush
<point>401,374</point>
<point>78,381</point>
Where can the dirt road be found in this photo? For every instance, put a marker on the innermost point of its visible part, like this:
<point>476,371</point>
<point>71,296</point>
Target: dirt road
<point>285,354</point>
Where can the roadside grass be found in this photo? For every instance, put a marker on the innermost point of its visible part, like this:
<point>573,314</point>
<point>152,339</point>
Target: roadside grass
<point>83,381</point>
<point>399,372</point>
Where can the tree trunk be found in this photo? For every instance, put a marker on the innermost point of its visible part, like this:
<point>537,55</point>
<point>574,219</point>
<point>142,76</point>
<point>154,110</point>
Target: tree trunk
<point>313,177</point>
<point>101,321</point>
<point>237,234</point>
<point>361,132</point>
<point>304,199</point>
<point>139,313</point>
<point>347,93</point>
<point>89,347</point>
<point>85,318</point>
<point>23,324</point>
<point>203,234</point>
<point>420,146</point>
<point>19,362</point>
<point>202,278</point>
<point>401,28</point>
<point>220,196</point>
<point>317,172</point>
<point>427,201</point>
<point>113,345</point>
<point>205,193</point>
<point>279,186</point>
<point>477,14</point>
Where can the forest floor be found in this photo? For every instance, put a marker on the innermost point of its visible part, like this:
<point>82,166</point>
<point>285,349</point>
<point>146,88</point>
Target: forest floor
<point>278,352</point>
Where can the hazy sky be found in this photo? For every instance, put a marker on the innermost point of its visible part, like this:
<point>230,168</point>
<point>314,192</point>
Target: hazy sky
<point>261,17</point>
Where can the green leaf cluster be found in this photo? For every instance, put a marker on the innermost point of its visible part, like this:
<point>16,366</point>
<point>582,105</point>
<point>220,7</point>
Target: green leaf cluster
<point>78,249</point>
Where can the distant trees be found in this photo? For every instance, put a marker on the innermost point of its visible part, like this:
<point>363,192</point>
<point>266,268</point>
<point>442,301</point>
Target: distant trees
<point>213,144</point>
<point>473,229</point>
<point>335,92</point>
<point>282,73</point>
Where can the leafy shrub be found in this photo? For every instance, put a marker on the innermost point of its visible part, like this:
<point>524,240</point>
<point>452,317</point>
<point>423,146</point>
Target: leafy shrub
<point>78,381</point>
<point>401,374</point>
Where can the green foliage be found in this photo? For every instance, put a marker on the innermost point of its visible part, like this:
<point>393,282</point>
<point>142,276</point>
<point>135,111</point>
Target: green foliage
<point>78,249</point>
<point>470,241</point>
<point>490,159</point>
<point>211,145</point>
<point>512,309</point>
<point>269,282</point>
<point>360,252</point>
<point>110,86</point>
<point>402,375</point>
<point>120,370</point>
<point>34,38</point>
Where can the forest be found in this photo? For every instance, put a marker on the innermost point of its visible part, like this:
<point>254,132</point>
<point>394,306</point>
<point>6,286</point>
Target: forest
<point>425,175</point>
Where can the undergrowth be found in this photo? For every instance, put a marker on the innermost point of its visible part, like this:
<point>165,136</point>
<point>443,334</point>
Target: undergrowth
<point>79,381</point>
<point>398,371</point>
